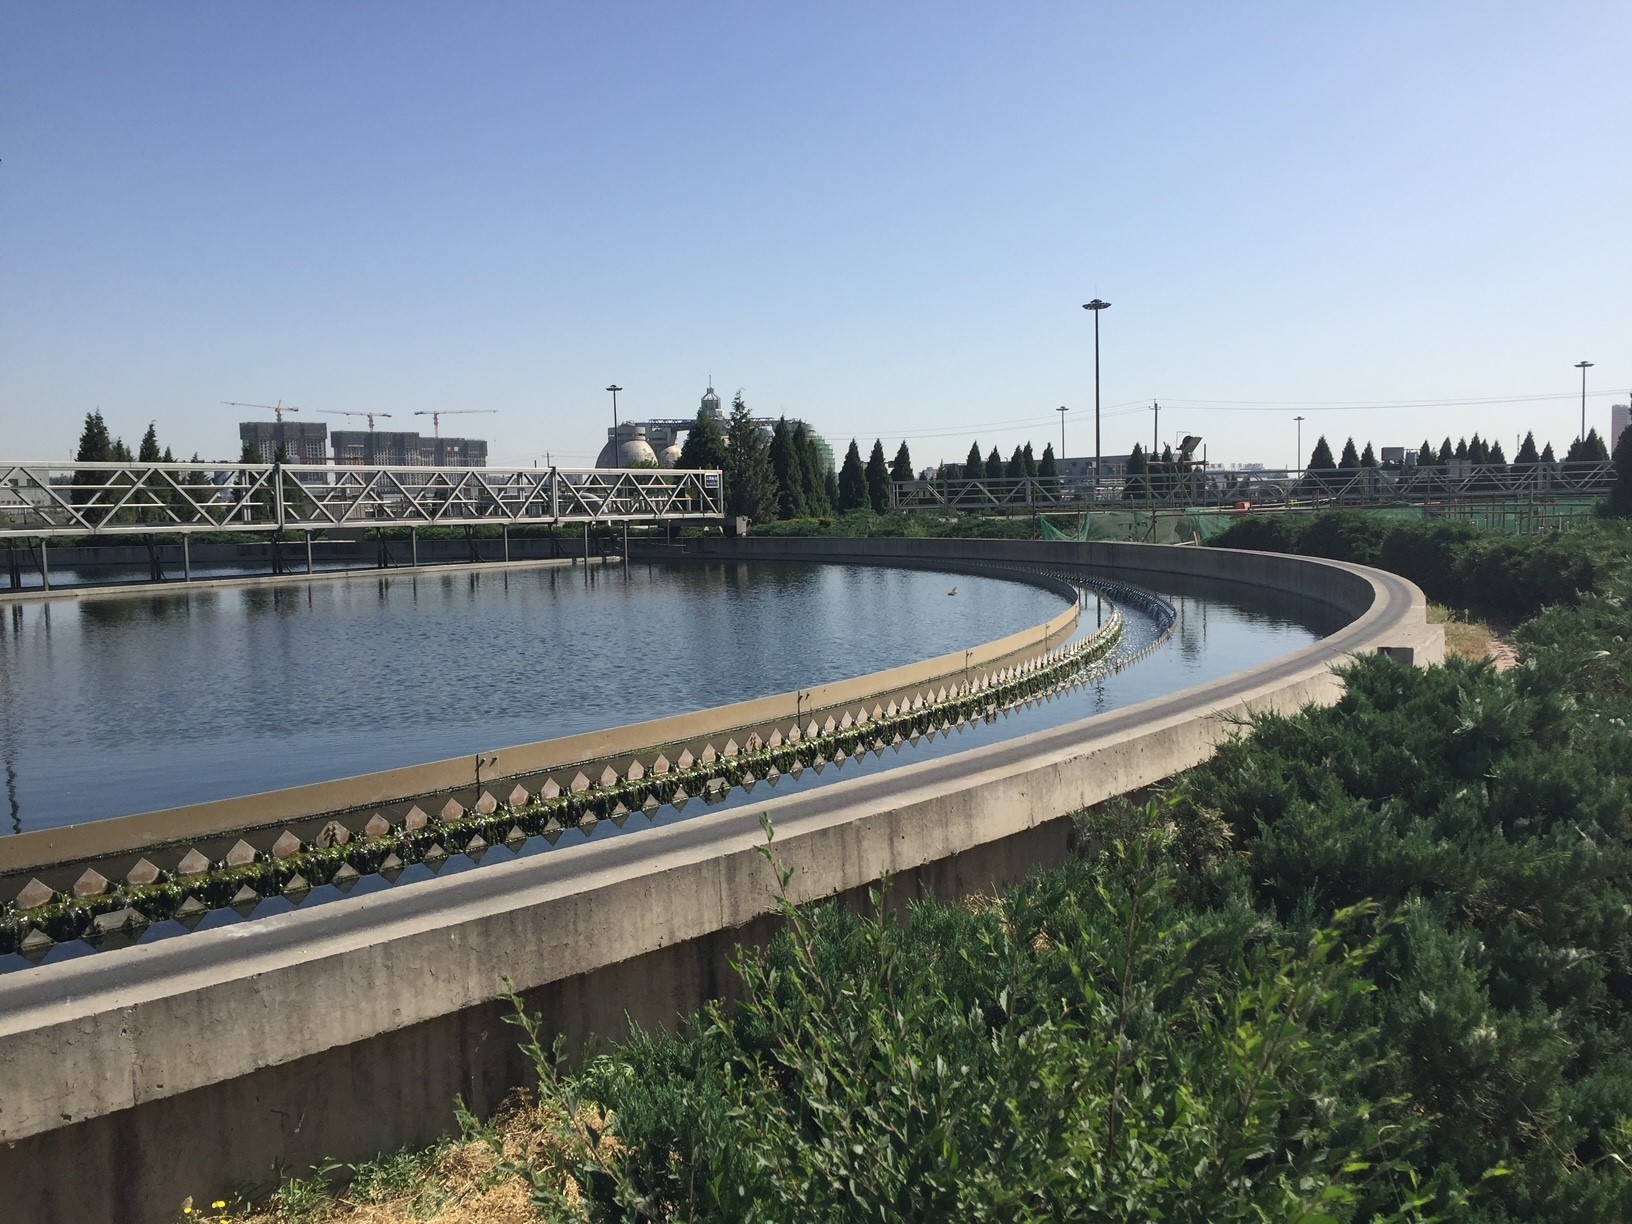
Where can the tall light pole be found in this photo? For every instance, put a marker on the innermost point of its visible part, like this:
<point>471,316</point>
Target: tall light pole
<point>1583,366</point>
<point>1096,306</point>
<point>614,388</point>
<point>1297,459</point>
<point>1062,410</point>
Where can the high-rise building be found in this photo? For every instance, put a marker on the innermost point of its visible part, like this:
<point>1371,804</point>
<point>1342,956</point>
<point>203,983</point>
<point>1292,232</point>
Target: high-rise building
<point>1620,416</point>
<point>405,448</point>
<point>301,441</point>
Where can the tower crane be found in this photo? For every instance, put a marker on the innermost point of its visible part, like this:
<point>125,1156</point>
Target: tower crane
<point>277,409</point>
<point>344,413</point>
<point>436,416</point>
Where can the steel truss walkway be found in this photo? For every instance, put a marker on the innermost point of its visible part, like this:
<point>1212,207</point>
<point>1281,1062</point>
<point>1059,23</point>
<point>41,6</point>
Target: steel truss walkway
<point>39,500</point>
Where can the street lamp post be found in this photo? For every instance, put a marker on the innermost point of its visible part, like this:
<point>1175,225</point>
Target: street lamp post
<point>1297,459</point>
<point>1062,410</point>
<point>1583,366</point>
<point>614,388</point>
<point>1096,306</point>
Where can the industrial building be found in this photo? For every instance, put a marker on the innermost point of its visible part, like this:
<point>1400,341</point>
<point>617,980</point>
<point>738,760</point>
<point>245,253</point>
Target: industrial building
<point>301,441</point>
<point>657,443</point>
<point>309,442</point>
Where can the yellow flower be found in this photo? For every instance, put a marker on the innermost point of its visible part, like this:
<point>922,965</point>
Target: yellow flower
<point>218,1204</point>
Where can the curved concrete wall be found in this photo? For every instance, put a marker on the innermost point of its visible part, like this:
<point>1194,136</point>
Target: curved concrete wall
<point>131,1079</point>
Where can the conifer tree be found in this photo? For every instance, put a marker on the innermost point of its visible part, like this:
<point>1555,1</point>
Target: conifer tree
<point>1368,458</point>
<point>788,465</point>
<point>1461,452</point>
<point>994,465</point>
<point>1446,454</point>
<point>1320,459</point>
<point>1015,468</point>
<point>1136,484</point>
<point>901,465</point>
<point>1478,451</point>
<point>1527,458</point>
<point>1495,456</point>
<point>1350,459</point>
<point>704,448</point>
<point>818,501</point>
<point>1028,461</point>
<point>878,478</point>
<point>1620,494</point>
<point>1547,455</point>
<point>148,451</point>
<point>974,467</point>
<point>95,446</point>
<point>753,483</point>
<point>1425,457</point>
<point>1047,469</point>
<point>852,481</point>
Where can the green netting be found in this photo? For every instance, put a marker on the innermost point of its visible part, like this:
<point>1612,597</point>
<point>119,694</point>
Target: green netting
<point>1191,526</point>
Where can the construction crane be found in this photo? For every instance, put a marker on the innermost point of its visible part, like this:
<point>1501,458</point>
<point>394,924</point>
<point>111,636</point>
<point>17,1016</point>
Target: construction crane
<point>277,409</point>
<point>344,413</point>
<point>437,415</point>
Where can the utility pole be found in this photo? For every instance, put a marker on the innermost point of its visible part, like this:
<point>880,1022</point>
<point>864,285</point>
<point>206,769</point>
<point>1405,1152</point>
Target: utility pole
<point>1096,306</point>
<point>1297,460</point>
<point>1155,424</point>
<point>1062,410</point>
<point>1583,366</point>
<point>614,388</point>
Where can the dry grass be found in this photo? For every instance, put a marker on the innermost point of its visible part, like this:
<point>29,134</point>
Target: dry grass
<point>458,1182</point>
<point>1470,639</point>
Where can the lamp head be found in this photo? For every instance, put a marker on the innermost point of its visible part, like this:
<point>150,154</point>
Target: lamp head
<point>1095,305</point>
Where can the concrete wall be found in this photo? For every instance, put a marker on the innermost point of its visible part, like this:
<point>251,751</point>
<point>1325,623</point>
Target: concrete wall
<point>131,1079</point>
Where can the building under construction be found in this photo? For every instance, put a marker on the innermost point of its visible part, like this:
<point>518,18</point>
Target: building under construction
<point>309,442</point>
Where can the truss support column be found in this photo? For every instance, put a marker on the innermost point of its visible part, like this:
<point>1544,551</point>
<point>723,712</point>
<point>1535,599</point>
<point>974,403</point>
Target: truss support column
<point>586,546</point>
<point>45,566</point>
<point>626,542</point>
<point>186,557</point>
<point>506,530</point>
<point>308,552</point>
<point>413,543</point>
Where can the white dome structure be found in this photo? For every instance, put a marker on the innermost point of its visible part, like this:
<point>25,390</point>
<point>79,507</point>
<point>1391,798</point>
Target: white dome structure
<point>669,456</point>
<point>633,449</point>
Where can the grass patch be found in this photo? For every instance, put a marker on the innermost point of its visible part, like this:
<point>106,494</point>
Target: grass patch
<point>1465,638</point>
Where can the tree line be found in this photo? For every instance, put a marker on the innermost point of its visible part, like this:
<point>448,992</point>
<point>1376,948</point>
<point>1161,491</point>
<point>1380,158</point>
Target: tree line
<point>1475,451</point>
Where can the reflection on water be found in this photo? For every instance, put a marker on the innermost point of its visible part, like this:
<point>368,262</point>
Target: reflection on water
<point>111,706</point>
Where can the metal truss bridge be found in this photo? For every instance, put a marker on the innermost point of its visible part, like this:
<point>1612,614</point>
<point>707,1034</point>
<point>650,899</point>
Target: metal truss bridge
<point>1198,487</point>
<point>40,500</point>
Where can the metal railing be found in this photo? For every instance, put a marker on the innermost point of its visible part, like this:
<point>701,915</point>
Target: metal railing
<point>1200,487</point>
<point>78,499</point>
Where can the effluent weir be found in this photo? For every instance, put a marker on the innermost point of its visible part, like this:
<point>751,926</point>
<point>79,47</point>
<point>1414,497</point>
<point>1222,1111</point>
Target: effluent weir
<point>263,970</point>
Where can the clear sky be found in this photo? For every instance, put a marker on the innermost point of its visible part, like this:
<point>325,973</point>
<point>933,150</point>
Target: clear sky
<point>1397,219</point>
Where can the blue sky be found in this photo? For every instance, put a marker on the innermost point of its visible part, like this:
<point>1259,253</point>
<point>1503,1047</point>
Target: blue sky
<point>1399,220</point>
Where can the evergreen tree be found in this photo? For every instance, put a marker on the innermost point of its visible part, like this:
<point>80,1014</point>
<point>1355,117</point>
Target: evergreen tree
<point>1320,459</point>
<point>95,446</point>
<point>1446,454</point>
<point>951,471</point>
<point>789,465</point>
<point>704,448</point>
<point>167,457</point>
<point>1594,449</point>
<point>818,501</point>
<point>1495,456</point>
<point>1047,469</point>
<point>1461,452</point>
<point>1162,476</point>
<point>1478,451</point>
<point>994,465</point>
<point>974,466</point>
<point>1620,494</point>
<point>148,451</point>
<point>878,479</point>
<point>1547,455</point>
<point>901,465</point>
<point>1015,468</point>
<point>1368,458</point>
<point>1425,457</point>
<point>1137,484</point>
<point>830,489</point>
<point>1028,461</point>
<point>1527,458</point>
<point>852,481</point>
<point>1350,459</point>
<point>753,482</point>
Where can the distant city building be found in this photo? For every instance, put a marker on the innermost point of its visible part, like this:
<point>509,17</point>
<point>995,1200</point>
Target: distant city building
<point>302,441</point>
<point>1620,416</point>
<point>405,448</point>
